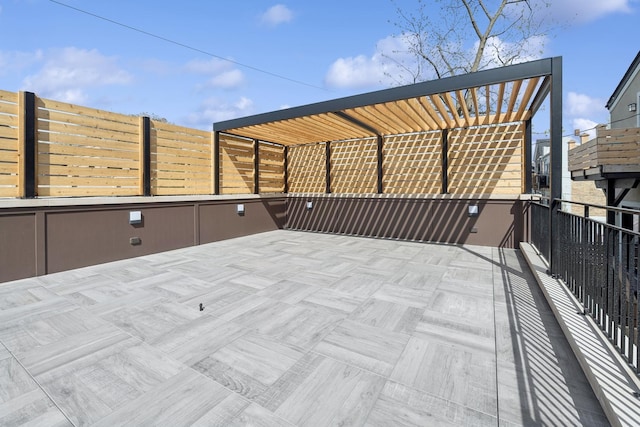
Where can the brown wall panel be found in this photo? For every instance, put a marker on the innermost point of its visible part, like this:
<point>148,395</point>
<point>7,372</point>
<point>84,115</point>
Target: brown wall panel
<point>221,221</point>
<point>80,238</point>
<point>499,223</point>
<point>17,246</point>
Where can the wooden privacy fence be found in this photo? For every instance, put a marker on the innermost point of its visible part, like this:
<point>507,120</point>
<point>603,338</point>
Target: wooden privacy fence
<point>616,149</point>
<point>51,148</point>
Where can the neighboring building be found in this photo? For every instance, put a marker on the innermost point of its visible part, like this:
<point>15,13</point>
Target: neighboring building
<point>612,159</point>
<point>623,109</point>
<point>541,166</point>
<point>625,101</point>
<point>577,191</point>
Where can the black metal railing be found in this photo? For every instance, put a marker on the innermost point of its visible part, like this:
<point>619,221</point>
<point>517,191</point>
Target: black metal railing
<point>599,263</point>
<point>540,227</point>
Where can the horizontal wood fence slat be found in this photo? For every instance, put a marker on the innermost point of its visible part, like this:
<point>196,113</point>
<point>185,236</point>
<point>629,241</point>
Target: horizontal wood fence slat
<point>86,191</point>
<point>93,171</point>
<point>78,110</point>
<point>61,138</point>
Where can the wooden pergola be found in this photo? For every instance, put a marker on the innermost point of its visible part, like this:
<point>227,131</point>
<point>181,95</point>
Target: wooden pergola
<point>487,100</point>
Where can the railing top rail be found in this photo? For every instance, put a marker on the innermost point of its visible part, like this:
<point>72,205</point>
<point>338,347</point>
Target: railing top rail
<point>545,201</point>
<point>541,200</point>
<point>609,208</point>
<point>610,226</point>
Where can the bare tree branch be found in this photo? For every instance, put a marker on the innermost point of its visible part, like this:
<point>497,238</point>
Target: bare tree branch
<point>472,18</point>
<point>448,37</point>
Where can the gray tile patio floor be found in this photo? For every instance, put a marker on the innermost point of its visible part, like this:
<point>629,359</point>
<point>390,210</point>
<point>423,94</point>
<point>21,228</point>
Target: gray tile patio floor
<point>297,329</point>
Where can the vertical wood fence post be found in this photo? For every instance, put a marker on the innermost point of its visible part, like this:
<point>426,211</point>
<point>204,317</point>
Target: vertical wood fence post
<point>328,166</point>
<point>445,161</point>
<point>526,153</point>
<point>286,169</point>
<point>256,166</point>
<point>27,145</point>
<point>380,159</point>
<point>216,162</point>
<point>145,156</point>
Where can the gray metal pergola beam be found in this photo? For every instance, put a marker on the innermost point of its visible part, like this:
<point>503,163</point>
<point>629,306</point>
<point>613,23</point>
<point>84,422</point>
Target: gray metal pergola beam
<point>539,68</point>
<point>543,91</point>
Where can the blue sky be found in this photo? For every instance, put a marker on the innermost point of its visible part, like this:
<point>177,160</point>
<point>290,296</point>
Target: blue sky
<point>329,49</point>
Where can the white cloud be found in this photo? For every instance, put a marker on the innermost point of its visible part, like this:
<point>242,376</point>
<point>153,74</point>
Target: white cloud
<point>68,72</point>
<point>222,73</point>
<point>276,15</point>
<point>227,80</point>
<point>354,72</point>
<point>214,110</point>
<point>244,104</point>
<point>585,112</point>
<point>579,104</point>
<point>584,10</point>
<point>382,68</point>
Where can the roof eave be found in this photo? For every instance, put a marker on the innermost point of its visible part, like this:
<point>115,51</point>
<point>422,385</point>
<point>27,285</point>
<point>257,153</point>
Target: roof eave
<point>635,64</point>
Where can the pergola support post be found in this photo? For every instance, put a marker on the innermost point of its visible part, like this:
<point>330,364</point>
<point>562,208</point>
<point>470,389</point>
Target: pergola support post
<point>445,161</point>
<point>555,157</point>
<point>145,156</point>
<point>27,160</point>
<point>286,169</point>
<point>528,162</point>
<point>380,162</point>
<point>328,166</point>
<point>256,166</point>
<point>216,162</point>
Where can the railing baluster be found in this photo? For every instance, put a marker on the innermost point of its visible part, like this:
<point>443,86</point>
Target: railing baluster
<point>635,304</point>
<point>624,295</point>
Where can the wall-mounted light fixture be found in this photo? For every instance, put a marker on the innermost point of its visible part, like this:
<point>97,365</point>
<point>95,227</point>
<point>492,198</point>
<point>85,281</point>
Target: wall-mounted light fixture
<point>135,217</point>
<point>240,209</point>
<point>309,205</point>
<point>633,107</point>
<point>473,210</point>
